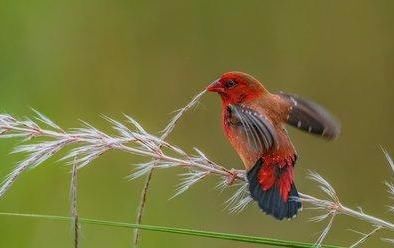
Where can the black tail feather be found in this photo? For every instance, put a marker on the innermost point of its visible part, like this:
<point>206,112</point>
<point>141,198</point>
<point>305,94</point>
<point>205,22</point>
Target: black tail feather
<point>270,201</point>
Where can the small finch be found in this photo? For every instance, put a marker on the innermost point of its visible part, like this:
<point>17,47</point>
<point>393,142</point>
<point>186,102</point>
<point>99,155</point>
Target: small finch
<point>254,122</point>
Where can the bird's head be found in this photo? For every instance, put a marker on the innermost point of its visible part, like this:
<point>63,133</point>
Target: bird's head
<point>237,87</point>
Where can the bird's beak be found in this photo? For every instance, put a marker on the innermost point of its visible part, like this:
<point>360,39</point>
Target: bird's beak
<point>215,86</point>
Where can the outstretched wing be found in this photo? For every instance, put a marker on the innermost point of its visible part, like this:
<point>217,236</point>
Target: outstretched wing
<point>257,129</point>
<point>311,117</point>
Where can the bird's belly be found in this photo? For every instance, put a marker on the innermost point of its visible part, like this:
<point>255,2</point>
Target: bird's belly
<point>250,155</point>
<point>247,152</point>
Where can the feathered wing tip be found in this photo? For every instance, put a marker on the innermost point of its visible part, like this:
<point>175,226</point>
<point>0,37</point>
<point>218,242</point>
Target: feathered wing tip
<point>270,201</point>
<point>310,117</point>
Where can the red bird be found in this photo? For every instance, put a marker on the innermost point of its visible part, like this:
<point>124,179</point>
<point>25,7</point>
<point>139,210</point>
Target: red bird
<point>254,122</point>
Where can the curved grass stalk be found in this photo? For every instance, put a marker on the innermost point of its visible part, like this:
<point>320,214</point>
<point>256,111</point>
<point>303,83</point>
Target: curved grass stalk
<point>179,231</point>
<point>166,132</point>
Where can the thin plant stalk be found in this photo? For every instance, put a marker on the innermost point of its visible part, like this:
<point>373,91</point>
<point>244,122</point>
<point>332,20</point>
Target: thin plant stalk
<point>166,132</point>
<point>365,236</point>
<point>74,204</point>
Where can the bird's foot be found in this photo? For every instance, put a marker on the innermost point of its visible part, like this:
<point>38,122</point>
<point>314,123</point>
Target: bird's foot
<point>233,176</point>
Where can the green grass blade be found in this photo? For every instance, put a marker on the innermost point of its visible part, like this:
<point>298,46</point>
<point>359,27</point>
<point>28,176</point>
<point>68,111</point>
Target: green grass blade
<point>190,232</point>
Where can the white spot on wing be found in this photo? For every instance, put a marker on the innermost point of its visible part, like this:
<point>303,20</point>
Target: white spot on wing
<point>324,131</point>
<point>294,101</point>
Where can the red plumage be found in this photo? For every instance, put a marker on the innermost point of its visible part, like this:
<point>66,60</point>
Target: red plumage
<point>253,120</point>
<point>268,174</point>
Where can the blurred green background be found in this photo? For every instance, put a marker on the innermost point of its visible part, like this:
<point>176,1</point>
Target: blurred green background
<point>79,59</point>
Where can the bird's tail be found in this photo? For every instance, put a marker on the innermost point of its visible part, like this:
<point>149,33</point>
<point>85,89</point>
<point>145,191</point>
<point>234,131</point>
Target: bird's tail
<point>276,193</point>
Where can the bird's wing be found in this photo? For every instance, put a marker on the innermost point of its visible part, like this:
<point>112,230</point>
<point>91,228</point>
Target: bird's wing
<point>257,129</point>
<point>310,117</point>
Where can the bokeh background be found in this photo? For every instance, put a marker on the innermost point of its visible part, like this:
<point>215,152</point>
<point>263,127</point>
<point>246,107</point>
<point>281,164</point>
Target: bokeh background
<point>79,59</point>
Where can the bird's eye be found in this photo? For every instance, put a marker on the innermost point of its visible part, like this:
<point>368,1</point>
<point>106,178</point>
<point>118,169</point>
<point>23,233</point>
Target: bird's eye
<point>230,83</point>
